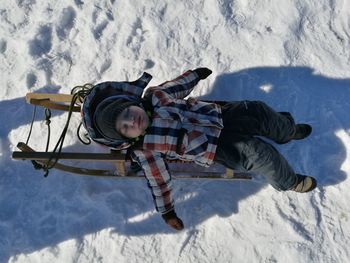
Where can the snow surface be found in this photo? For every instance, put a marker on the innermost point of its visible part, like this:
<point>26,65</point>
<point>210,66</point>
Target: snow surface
<point>292,54</point>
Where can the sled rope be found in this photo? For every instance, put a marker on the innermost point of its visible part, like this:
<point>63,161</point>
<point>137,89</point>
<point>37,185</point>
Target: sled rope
<point>88,140</point>
<point>36,165</point>
<point>83,92</point>
<point>79,93</point>
<point>58,148</point>
<point>31,125</point>
<point>48,122</point>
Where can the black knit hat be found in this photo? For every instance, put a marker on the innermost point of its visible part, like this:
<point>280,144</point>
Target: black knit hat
<point>106,115</point>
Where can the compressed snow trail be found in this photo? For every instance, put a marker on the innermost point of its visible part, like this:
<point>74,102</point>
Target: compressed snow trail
<point>293,55</point>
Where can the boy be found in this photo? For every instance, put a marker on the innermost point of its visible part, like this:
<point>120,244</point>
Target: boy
<point>168,127</point>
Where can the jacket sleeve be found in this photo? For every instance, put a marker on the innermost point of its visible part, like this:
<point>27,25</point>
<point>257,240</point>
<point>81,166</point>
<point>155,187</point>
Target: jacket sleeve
<point>158,177</point>
<point>177,88</point>
<point>133,88</point>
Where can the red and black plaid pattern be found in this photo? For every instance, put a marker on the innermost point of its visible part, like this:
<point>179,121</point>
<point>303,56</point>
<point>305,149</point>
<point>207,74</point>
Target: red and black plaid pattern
<point>197,126</point>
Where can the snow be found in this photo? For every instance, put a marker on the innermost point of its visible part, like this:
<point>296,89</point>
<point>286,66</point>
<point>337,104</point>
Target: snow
<point>294,55</point>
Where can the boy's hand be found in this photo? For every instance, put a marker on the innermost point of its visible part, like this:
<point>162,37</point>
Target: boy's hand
<point>203,73</point>
<point>172,220</point>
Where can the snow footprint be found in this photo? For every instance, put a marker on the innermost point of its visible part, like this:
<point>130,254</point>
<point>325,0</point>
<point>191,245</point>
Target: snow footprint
<point>26,5</point>
<point>102,25</point>
<point>134,41</point>
<point>226,9</point>
<point>105,66</point>
<point>3,46</point>
<point>31,80</point>
<point>79,3</point>
<point>136,36</point>
<point>98,30</point>
<point>42,42</point>
<point>66,23</point>
<point>148,64</point>
<point>291,50</point>
<point>232,14</point>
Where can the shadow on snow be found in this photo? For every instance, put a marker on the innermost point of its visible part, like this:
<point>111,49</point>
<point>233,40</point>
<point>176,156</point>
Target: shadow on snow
<point>42,212</point>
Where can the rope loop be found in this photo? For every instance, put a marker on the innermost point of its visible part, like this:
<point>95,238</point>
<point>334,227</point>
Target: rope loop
<point>47,116</point>
<point>79,93</point>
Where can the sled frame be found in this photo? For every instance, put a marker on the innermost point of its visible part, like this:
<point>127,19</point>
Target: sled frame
<point>62,102</point>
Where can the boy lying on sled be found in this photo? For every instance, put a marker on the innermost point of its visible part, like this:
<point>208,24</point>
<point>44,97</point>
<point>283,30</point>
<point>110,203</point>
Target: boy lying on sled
<point>162,126</point>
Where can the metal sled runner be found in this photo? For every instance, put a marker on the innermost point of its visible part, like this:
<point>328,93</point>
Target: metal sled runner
<point>49,159</point>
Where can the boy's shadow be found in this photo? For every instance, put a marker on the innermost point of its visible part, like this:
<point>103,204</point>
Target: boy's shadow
<point>311,98</point>
<point>78,206</point>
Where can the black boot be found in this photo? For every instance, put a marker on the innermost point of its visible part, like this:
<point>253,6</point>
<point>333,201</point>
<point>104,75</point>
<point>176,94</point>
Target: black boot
<point>304,184</point>
<point>301,132</point>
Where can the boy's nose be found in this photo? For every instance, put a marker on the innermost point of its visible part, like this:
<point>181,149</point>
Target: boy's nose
<point>130,121</point>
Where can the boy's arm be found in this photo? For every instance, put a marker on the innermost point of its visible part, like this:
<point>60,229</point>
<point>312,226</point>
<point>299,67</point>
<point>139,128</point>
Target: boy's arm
<point>181,86</point>
<point>159,179</point>
<point>130,88</point>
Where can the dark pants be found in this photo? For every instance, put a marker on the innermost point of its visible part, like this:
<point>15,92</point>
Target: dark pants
<point>239,149</point>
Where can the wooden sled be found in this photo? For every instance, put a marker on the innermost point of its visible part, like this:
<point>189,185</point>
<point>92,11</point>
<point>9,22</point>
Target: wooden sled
<point>180,169</point>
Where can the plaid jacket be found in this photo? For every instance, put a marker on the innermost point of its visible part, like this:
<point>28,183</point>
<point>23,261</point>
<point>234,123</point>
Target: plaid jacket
<point>179,130</point>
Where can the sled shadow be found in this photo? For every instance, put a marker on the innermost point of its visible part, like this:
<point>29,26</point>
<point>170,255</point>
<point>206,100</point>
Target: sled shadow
<point>63,207</point>
<point>17,112</point>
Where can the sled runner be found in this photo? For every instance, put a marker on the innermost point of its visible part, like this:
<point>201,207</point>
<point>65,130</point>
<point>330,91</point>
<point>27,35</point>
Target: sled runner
<point>124,167</point>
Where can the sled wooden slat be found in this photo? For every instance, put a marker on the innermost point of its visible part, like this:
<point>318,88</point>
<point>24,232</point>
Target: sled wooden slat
<point>120,165</point>
<point>52,105</point>
<point>50,96</point>
<point>230,173</point>
<point>82,171</point>
<point>51,101</point>
<point>104,157</point>
<point>30,154</point>
<point>71,169</point>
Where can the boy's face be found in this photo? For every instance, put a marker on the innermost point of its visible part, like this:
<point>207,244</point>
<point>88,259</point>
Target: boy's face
<point>132,122</point>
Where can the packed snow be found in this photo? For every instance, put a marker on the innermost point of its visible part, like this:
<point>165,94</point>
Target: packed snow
<point>292,54</point>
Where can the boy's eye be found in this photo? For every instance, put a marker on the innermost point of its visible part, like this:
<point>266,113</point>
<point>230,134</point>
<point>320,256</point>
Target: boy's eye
<point>127,113</point>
